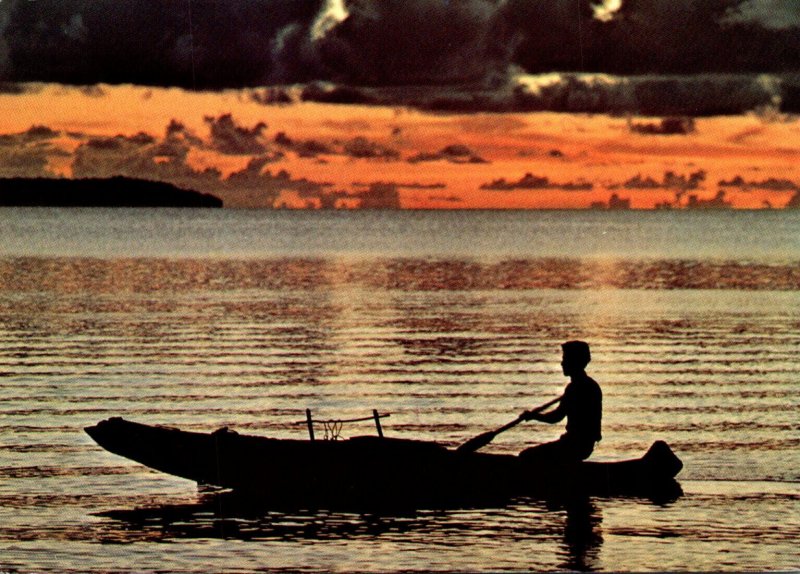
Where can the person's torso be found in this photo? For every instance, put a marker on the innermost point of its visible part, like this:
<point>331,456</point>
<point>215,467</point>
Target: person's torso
<point>584,405</point>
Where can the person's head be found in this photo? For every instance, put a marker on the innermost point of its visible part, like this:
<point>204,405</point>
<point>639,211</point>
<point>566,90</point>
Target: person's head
<point>575,357</point>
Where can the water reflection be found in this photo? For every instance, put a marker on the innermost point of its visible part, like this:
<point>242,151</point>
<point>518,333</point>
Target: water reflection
<point>149,275</point>
<point>451,339</point>
<point>583,536</point>
<point>230,516</point>
<point>577,534</point>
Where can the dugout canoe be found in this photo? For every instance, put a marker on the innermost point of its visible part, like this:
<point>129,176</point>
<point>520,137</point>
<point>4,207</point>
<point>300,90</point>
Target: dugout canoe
<point>375,469</point>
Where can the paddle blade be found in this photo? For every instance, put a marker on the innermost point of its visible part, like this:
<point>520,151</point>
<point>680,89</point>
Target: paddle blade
<point>477,442</point>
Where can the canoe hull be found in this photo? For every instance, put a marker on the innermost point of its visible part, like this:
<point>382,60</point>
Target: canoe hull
<point>372,468</point>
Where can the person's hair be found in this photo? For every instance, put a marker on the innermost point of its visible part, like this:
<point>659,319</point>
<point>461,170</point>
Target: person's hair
<point>577,353</point>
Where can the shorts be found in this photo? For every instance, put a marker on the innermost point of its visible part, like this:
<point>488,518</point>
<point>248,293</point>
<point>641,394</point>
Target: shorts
<point>565,450</point>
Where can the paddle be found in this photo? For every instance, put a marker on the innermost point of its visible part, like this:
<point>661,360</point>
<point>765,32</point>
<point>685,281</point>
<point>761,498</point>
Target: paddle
<point>483,439</point>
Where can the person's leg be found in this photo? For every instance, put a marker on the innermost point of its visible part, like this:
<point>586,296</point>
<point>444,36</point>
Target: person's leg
<point>564,450</point>
<point>576,450</point>
<point>547,452</point>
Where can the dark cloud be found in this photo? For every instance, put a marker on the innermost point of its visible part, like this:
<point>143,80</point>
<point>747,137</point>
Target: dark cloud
<point>693,201</point>
<point>252,174</point>
<point>776,14</point>
<point>35,133</point>
<point>177,134</point>
<point>702,95</point>
<point>39,132</point>
<point>25,161</point>
<point>305,148</point>
<point>615,202</point>
<point>771,184</point>
<point>202,44</point>
<point>272,96</point>
<point>230,138</point>
<point>653,36</point>
<point>671,57</point>
<point>454,153</point>
<point>165,159</point>
<point>716,202</point>
<point>357,147</point>
<point>93,91</point>
<point>28,154</point>
<point>680,184</point>
<point>5,16</point>
<point>253,178</point>
<point>666,127</point>
<point>380,42</point>
<point>534,182</point>
<point>328,93</point>
<point>652,95</point>
<point>379,196</point>
<point>670,180</point>
<point>137,156</point>
<point>12,88</point>
<point>402,185</point>
<point>361,148</point>
<point>210,44</point>
<point>251,185</point>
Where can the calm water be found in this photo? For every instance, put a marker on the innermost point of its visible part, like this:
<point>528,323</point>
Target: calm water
<point>450,322</point>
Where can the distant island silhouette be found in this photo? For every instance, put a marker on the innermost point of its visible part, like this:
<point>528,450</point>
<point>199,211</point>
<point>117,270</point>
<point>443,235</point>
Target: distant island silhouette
<point>99,192</point>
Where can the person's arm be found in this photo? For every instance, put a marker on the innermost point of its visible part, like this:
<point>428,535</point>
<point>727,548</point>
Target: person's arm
<point>551,417</point>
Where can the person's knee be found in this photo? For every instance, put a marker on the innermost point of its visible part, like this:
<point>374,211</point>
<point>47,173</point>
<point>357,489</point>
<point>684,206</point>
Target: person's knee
<point>579,452</point>
<point>542,452</point>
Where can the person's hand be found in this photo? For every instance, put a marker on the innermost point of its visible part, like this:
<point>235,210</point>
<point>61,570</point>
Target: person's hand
<point>529,415</point>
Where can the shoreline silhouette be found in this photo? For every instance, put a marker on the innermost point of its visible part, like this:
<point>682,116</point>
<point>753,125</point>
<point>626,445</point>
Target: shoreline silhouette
<point>99,192</point>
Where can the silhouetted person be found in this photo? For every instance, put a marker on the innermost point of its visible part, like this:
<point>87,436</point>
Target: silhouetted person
<point>581,404</point>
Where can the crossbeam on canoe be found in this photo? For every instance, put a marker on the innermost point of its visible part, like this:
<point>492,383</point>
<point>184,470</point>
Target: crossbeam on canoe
<point>376,416</point>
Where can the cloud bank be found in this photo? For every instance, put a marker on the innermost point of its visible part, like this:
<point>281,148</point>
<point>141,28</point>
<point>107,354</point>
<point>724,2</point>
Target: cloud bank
<point>209,45</point>
<point>655,95</point>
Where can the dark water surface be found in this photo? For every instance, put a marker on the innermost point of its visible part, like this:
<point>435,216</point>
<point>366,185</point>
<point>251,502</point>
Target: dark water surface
<point>451,322</point>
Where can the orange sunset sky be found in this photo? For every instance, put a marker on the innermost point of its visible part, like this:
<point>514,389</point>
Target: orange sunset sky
<point>306,155</point>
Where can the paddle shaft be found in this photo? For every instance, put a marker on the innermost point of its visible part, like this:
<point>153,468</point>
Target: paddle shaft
<point>521,418</point>
<point>483,439</point>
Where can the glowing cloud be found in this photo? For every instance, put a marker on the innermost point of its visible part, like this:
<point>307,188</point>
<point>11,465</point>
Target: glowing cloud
<point>333,13</point>
<point>606,10</point>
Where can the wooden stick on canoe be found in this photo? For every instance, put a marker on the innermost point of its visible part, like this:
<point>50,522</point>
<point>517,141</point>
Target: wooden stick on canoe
<point>483,439</point>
